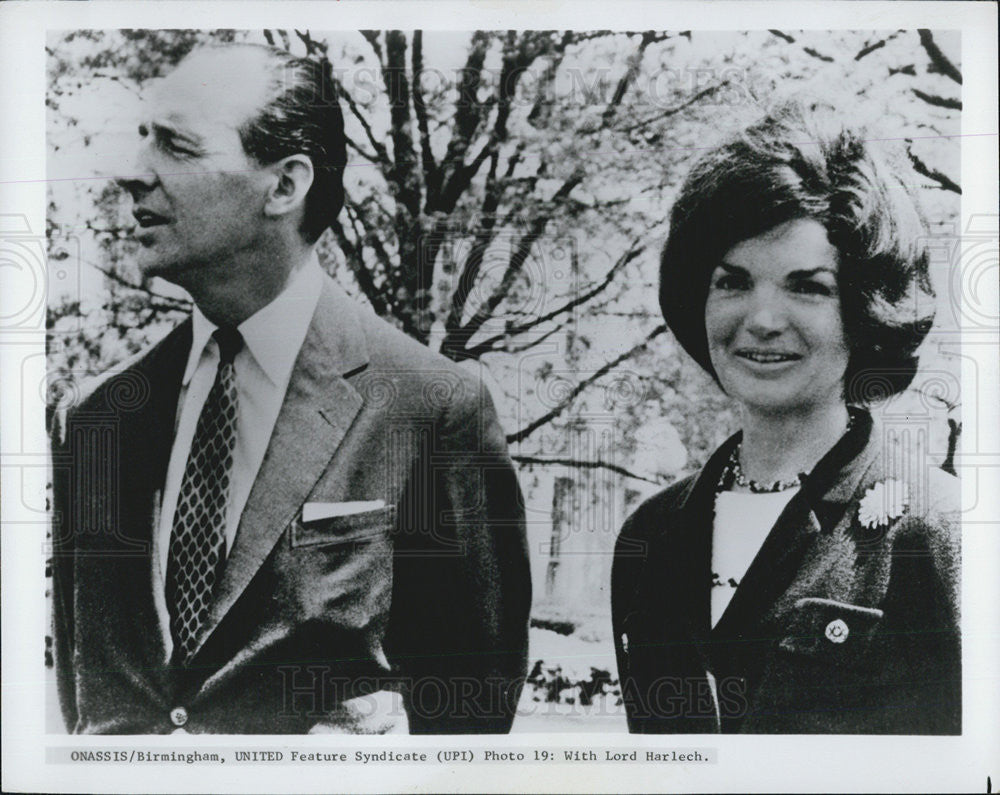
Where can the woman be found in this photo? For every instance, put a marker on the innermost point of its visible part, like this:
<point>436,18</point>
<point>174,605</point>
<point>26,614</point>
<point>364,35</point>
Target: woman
<point>806,579</point>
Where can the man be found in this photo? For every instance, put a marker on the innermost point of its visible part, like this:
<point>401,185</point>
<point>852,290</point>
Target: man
<point>287,516</point>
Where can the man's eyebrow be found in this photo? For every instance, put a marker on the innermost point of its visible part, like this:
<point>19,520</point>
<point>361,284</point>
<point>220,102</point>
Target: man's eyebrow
<point>161,129</point>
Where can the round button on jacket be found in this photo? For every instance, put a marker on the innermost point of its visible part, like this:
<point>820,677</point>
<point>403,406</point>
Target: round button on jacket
<point>837,631</point>
<point>178,716</point>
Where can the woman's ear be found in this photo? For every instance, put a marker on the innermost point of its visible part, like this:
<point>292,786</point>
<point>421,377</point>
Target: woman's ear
<point>293,178</point>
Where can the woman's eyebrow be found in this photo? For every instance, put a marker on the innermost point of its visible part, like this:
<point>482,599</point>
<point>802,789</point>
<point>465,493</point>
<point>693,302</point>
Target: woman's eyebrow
<point>806,274</point>
<point>734,269</point>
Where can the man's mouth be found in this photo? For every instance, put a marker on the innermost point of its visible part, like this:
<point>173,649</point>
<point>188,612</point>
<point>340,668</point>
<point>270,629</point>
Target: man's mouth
<point>147,218</point>
<point>767,357</point>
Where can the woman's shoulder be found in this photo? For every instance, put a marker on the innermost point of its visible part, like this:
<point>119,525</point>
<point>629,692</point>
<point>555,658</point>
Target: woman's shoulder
<point>647,519</point>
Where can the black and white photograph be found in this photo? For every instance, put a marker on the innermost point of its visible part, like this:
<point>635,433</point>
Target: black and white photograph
<point>556,399</point>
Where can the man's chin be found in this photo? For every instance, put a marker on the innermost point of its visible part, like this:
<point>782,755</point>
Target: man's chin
<point>151,264</point>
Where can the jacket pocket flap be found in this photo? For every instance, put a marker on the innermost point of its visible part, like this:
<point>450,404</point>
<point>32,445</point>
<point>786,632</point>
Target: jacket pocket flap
<point>825,627</point>
<point>340,529</point>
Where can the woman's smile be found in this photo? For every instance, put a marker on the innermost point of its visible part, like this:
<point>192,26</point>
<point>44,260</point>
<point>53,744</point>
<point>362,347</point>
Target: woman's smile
<point>772,319</point>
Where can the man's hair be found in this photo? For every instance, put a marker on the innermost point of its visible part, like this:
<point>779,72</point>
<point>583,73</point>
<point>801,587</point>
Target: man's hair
<point>804,164</point>
<point>301,116</point>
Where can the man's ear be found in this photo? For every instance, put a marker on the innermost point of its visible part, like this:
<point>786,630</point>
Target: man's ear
<point>294,177</point>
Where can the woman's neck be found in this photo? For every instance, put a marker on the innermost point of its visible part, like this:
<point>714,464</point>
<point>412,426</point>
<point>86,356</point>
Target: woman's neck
<point>780,446</point>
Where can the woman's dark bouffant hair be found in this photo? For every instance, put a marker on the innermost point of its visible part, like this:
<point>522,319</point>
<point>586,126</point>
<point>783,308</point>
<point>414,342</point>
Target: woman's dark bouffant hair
<point>800,163</point>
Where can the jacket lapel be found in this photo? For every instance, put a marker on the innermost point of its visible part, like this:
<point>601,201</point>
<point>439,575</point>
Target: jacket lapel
<point>318,410</point>
<point>146,436</point>
<point>687,581</point>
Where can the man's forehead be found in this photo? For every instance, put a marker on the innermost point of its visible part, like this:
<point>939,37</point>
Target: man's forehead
<point>219,86</point>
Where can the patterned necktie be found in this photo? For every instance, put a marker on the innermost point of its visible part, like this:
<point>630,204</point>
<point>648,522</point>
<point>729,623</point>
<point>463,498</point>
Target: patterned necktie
<point>198,536</point>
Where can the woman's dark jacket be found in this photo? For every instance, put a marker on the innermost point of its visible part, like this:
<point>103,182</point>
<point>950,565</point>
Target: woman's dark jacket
<point>837,626</point>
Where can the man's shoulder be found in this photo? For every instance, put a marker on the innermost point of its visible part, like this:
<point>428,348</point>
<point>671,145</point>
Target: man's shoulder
<point>402,365</point>
<point>127,382</point>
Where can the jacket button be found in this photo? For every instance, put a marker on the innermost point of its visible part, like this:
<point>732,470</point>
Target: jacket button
<point>837,631</point>
<point>178,716</point>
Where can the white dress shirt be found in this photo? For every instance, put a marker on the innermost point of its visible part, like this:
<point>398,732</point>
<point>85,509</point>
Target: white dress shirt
<point>272,339</point>
<point>742,522</point>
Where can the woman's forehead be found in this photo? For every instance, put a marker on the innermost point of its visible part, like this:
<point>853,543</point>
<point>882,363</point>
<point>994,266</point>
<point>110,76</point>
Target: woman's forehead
<point>799,244</point>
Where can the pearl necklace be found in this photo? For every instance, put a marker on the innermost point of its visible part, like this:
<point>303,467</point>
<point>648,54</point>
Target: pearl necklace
<point>734,469</point>
<point>733,473</point>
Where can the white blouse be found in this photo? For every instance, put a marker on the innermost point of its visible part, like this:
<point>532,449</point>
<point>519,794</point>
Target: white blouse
<point>742,522</point>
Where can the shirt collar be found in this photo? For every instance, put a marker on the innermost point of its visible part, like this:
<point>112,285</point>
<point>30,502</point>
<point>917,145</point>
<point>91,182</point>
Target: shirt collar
<point>274,334</point>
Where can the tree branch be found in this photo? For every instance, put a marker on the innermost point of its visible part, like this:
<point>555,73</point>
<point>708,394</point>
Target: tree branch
<point>816,54</point>
<point>869,49</point>
<point>580,387</point>
<point>634,64</point>
<point>461,336</point>
<point>168,301</point>
<point>512,330</point>
<point>357,266</point>
<point>939,102</point>
<point>420,107</point>
<point>377,145</point>
<point>572,462</point>
<point>705,92</point>
<point>371,36</point>
<point>923,169</point>
<point>939,61</point>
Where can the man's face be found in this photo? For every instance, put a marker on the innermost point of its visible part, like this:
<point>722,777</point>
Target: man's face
<point>197,197</point>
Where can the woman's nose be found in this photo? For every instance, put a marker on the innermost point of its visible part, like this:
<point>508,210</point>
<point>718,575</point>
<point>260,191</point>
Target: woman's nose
<point>765,315</point>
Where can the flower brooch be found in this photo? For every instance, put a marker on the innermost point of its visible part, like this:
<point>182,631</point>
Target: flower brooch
<point>884,502</point>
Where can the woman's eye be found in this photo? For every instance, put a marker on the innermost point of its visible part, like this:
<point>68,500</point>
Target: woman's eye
<point>813,288</point>
<point>729,281</point>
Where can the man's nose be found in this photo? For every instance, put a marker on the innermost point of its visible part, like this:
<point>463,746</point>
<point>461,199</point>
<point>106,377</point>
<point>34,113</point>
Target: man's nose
<point>137,176</point>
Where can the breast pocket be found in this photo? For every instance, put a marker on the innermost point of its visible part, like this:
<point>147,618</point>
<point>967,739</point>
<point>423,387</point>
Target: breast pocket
<point>355,528</point>
<point>827,630</point>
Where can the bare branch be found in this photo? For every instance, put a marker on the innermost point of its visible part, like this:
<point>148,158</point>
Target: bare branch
<point>457,340</point>
<point>580,387</point>
<point>939,102</point>
<point>357,266</point>
<point>468,109</point>
<point>634,64</point>
<point>816,54</point>
<point>512,330</point>
<point>371,36</point>
<point>371,157</point>
<point>922,168</point>
<point>383,154</point>
<point>870,49</point>
<point>579,464</point>
<point>167,301</point>
<point>420,107</point>
<point>939,61</point>
<point>534,343</point>
<point>705,92</point>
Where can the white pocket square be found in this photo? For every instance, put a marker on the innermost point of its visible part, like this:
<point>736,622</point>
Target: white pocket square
<point>315,511</point>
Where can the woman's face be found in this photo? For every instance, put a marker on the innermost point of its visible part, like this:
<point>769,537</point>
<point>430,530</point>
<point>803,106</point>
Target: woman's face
<point>775,334</point>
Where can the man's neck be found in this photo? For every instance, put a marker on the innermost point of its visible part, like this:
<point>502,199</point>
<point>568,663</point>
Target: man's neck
<point>228,302</point>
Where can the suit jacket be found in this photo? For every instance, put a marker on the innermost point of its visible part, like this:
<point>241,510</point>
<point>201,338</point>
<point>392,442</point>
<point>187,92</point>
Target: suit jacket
<point>842,624</point>
<point>312,623</point>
